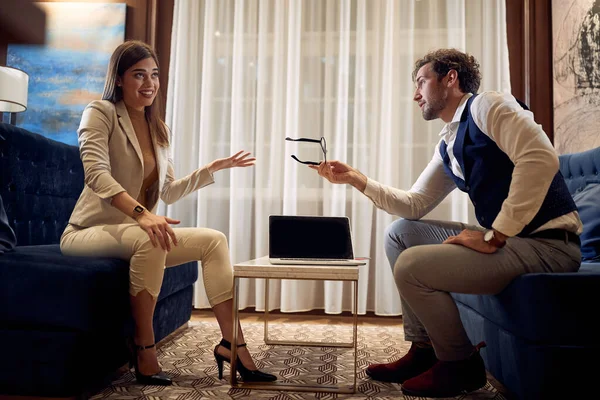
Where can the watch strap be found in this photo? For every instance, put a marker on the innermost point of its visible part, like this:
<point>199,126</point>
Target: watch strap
<point>495,242</point>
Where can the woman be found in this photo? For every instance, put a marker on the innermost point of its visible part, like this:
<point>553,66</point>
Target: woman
<point>124,147</point>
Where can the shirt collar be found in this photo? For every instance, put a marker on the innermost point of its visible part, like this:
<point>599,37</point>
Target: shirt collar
<point>452,126</point>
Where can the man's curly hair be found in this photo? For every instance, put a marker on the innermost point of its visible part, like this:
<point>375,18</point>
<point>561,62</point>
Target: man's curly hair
<point>443,60</point>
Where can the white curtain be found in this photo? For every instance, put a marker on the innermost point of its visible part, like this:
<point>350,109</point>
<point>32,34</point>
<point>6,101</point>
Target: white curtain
<point>244,74</point>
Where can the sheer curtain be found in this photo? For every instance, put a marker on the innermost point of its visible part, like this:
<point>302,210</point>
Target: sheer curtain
<point>245,74</point>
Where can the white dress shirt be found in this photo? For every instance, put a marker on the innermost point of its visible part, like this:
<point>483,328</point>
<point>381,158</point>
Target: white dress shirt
<point>515,132</point>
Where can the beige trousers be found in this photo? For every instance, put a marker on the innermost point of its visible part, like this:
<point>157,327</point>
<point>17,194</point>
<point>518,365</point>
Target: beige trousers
<point>147,263</point>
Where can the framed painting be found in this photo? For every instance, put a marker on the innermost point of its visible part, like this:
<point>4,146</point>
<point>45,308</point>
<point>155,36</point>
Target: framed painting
<point>576,74</point>
<point>68,71</point>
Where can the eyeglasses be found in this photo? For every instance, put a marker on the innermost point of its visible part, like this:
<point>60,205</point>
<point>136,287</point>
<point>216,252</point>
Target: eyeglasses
<point>321,141</point>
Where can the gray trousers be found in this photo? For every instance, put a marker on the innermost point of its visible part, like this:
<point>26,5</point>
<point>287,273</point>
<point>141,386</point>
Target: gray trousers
<point>426,272</point>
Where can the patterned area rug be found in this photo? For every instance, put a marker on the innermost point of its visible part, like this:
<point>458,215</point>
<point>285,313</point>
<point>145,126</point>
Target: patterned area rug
<point>188,359</point>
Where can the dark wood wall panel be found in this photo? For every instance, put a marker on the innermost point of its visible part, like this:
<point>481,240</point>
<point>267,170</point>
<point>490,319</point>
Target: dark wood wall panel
<point>3,48</point>
<point>164,27</point>
<point>20,22</point>
<point>529,30</point>
<point>541,64</point>
<point>515,38</point>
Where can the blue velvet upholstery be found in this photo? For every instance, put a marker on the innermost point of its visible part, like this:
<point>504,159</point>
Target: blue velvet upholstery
<point>63,320</point>
<point>582,175</point>
<point>587,203</point>
<point>541,331</point>
<point>40,182</point>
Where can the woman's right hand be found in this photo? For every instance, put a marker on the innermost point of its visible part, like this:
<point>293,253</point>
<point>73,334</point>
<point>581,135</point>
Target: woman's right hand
<point>158,229</point>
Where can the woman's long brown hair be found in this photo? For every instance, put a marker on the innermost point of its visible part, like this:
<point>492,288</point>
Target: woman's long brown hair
<point>124,57</point>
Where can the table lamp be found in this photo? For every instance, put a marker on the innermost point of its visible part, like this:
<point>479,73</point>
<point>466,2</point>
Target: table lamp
<point>13,91</point>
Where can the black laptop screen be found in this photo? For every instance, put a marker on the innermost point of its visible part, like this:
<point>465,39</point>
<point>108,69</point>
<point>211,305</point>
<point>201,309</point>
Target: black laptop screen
<point>309,237</point>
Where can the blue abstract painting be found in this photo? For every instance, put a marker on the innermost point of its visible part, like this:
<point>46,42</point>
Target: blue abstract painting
<point>68,71</point>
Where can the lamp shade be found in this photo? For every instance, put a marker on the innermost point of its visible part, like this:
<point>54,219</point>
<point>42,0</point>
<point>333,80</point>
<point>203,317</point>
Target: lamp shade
<point>13,90</point>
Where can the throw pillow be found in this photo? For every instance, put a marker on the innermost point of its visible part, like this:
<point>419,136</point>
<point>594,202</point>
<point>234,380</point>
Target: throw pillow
<point>588,204</point>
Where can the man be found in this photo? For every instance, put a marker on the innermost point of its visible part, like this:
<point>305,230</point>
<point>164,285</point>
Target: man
<point>491,148</point>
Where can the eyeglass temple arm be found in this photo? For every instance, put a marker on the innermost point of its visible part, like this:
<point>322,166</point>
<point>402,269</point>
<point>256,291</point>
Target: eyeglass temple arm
<point>303,140</point>
<point>304,162</point>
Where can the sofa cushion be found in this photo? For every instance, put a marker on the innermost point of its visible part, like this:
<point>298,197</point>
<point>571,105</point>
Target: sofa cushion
<point>588,205</point>
<point>546,308</point>
<point>39,287</point>
<point>590,267</point>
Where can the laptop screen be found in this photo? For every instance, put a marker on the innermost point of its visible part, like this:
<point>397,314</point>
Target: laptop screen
<point>309,237</point>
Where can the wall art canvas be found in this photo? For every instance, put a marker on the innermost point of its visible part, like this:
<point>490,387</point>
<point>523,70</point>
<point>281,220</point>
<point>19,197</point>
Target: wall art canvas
<point>576,61</point>
<point>68,71</point>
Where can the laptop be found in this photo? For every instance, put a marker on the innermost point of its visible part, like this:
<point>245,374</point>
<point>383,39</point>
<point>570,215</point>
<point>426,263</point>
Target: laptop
<point>311,240</point>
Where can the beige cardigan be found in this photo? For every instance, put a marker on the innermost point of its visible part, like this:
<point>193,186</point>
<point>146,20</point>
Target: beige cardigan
<point>113,163</point>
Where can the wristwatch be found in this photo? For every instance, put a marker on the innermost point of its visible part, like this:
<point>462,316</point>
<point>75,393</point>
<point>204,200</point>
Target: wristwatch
<point>490,237</point>
<point>137,211</point>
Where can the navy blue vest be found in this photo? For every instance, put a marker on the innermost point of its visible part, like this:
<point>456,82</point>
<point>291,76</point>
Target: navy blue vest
<point>488,173</point>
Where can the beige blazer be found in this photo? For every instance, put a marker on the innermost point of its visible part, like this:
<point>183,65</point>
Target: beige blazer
<point>113,163</point>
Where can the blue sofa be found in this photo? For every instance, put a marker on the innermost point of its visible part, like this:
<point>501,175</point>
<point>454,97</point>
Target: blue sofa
<point>64,320</point>
<point>542,335</point>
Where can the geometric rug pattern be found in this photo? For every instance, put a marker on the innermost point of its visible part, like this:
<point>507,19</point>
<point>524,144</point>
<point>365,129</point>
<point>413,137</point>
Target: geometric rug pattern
<point>187,358</point>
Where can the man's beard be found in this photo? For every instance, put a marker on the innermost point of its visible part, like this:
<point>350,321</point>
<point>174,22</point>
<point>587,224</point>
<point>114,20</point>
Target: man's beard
<point>432,109</point>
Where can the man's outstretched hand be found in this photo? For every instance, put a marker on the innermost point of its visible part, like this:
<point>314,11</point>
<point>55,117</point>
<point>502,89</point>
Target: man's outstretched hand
<point>339,172</point>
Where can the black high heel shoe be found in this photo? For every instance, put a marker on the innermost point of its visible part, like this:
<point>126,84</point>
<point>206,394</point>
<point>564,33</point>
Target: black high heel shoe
<point>247,375</point>
<point>160,378</point>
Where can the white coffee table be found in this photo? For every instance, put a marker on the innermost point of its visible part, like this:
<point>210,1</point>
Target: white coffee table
<point>263,269</point>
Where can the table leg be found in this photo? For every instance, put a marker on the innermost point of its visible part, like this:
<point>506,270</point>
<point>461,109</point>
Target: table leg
<point>355,332</point>
<point>267,311</point>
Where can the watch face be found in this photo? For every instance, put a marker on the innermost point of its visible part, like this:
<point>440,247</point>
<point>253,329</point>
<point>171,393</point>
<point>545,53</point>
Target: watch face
<point>488,235</point>
<point>138,209</point>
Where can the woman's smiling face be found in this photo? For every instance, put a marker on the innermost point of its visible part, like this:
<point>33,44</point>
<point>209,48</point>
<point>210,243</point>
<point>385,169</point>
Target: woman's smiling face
<point>140,84</point>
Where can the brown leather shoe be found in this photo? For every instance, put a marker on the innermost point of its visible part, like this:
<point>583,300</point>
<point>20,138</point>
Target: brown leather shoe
<point>449,378</point>
<point>415,362</point>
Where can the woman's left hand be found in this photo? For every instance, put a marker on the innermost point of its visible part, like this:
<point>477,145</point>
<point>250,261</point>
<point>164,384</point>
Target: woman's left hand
<point>239,159</point>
